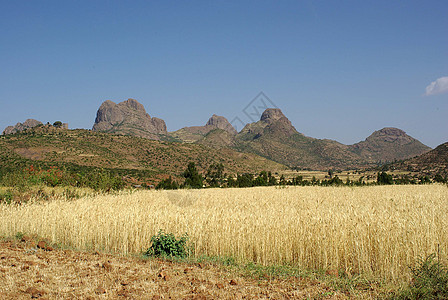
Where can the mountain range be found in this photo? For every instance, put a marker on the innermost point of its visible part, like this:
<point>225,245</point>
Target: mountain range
<point>273,137</point>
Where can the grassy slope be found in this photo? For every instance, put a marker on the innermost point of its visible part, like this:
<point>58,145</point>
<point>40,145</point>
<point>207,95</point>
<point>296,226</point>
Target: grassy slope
<point>301,151</point>
<point>95,149</point>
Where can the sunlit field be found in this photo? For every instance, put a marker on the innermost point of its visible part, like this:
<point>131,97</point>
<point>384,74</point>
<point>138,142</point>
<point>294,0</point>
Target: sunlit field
<point>374,231</point>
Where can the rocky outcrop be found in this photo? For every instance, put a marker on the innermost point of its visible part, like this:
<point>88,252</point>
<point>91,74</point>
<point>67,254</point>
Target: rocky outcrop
<point>128,118</point>
<point>195,133</point>
<point>219,122</point>
<point>271,115</point>
<point>30,123</point>
<point>272,122</point>
<point>389,144</point>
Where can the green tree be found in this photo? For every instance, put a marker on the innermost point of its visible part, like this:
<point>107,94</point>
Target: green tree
<point>282,180</point>
<point>215,175</point>
<point>384,178</point>
<point>231,182</point>
<point>167,184</point>
<point>57,124</point>
<point>192,178</point>
<point>271,179</point>
<point>262,179</point>
<point>245,180</point>
<point>297,180</point>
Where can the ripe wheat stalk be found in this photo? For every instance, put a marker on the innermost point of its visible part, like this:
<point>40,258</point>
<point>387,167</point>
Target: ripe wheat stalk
<point>376,231</point>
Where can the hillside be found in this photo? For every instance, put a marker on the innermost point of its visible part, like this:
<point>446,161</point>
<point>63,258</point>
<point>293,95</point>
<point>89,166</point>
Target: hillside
<point>430,163</point>
<point>97,149</point>
<point>389,144</point>
<point>275,138</point>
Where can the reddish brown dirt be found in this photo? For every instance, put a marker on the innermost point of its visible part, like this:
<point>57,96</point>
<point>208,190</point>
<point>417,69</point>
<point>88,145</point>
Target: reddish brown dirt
<point>28,271</point>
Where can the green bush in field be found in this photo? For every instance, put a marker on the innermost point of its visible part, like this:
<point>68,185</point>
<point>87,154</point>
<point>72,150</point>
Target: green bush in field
<point>430,280</point>
<point>6,197</point>
<point>167,245</point>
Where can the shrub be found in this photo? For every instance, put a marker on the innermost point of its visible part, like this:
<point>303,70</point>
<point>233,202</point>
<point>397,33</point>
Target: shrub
<point>384,178</point>
<point>100,180</point>
<point>439,178</point>
<point>167,245</point>
<point>6,197</point>
<point>167,184</point>
<point>430,280</point>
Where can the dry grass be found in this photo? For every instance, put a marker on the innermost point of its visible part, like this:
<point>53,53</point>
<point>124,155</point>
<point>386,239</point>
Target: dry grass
<point>375,231</point>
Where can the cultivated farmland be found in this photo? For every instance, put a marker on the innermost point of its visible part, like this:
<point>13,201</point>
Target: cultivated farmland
<point>374,231</point>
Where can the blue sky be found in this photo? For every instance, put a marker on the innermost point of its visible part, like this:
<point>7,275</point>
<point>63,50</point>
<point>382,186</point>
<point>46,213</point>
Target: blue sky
<point>337,69</point>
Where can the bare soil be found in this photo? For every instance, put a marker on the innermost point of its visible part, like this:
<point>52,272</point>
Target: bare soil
<point>29,269</point>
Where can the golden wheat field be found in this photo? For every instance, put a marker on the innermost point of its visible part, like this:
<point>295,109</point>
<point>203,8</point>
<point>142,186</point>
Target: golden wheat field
<point>374,231</point>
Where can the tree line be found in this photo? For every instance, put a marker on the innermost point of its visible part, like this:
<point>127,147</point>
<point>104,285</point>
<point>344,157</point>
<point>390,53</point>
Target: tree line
<point>216,177</point>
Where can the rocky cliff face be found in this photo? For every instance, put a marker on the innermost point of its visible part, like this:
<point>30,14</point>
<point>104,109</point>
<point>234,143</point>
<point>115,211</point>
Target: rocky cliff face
<point>389,144</point>
<point>128,118</point>
<point>30,123</point>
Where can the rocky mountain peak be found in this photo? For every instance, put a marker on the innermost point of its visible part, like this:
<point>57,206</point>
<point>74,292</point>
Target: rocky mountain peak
<point>391,134</point>
<point>271,115</point>
<point>134,104</point>
<point>128,118</point>
<point>220,123</point>
<point>273,123</point>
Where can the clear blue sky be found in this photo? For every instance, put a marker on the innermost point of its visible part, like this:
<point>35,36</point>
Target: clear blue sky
<point>337,69</point>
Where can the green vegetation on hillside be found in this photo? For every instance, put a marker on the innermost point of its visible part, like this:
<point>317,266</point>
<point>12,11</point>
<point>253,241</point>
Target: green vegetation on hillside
<point>145,160</point>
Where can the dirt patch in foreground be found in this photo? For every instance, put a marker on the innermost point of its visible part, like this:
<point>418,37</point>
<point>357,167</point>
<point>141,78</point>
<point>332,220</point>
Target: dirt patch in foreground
<point>31,270</point>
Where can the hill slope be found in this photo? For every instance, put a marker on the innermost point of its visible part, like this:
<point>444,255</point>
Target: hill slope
<point>389,144</point>
<point>275,138</point>
<point>97,149</point>
<point>430,163</point>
